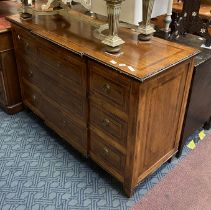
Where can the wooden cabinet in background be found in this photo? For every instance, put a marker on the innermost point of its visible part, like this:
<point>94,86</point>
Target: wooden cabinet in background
<point>10,97</point>
<point>129,122</point>
<point>198,111</point>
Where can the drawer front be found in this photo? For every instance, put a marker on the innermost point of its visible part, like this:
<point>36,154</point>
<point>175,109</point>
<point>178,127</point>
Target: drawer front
<point>29,70</point>
<point>64,125</point>
<point>66,65</point>
<point>74,133</point>
<point>54,116</point>
<point>25,42</point>
<point>2,90</point>
<point>32,98</point>
<point>55,88</point>
<point>63,92</point>
<point>113,87</point>
<point>106,155</point>
<point>109,124</point>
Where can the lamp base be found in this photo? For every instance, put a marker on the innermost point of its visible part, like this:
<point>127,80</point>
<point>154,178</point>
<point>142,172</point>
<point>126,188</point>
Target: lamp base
<point>113,41</point>
<point>144,37</point>
<point>112,50</point>
<point>26,15</point>
<point>146,32</point>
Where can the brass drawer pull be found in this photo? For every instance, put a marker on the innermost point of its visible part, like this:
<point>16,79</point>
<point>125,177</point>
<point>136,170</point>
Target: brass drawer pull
<point>30,74</point>
<point>106,88</point>
<point>106,150</point>
<point>26,45</point>
<point>64,123</point>
<point>106,122</point>
<point>34,98</point>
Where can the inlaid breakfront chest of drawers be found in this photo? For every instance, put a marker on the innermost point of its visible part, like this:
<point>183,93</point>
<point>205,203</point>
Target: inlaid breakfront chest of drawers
<point>125,112</point>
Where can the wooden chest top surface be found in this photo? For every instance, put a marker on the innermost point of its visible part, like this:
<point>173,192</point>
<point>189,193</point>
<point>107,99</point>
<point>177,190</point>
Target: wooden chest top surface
<point>139,60</point>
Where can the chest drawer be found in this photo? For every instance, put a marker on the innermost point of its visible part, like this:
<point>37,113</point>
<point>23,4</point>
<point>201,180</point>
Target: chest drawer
<point>54,116</point>
<point>32,98</point>
<point>64,64</point>
<point>64,125</point>
<point>24,41</point>
<point>109,124</point>
<point>28,69</point>
<point>110,86</point>
<point>107,156</point>
<point>55,88</point>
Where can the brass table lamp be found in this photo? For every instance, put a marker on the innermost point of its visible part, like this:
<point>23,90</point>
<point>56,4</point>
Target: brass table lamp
<point>113,42</point>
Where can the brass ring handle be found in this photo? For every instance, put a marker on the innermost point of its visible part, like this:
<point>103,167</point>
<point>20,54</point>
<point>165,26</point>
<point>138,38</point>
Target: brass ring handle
<point>106,122</point>
<point>106,88</point>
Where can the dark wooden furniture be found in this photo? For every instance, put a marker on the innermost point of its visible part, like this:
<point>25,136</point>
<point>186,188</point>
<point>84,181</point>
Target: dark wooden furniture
<point>204,11</point>
<point>124,111</point>
<point>10,97</point>
<point>198,113</point>
<point>189,21</point>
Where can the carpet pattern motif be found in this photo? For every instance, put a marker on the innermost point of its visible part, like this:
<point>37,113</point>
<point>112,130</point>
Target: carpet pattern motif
<point>38,171</point>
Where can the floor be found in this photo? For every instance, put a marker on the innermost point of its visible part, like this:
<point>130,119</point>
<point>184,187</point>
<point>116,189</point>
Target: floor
<point>39,171</point>
<point>187,186</point>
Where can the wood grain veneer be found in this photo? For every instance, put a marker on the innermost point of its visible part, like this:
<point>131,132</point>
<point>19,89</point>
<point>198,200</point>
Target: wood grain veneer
<point>78,38</point>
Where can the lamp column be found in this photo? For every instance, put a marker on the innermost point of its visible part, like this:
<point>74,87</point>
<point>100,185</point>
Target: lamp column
<point>113,42</point>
